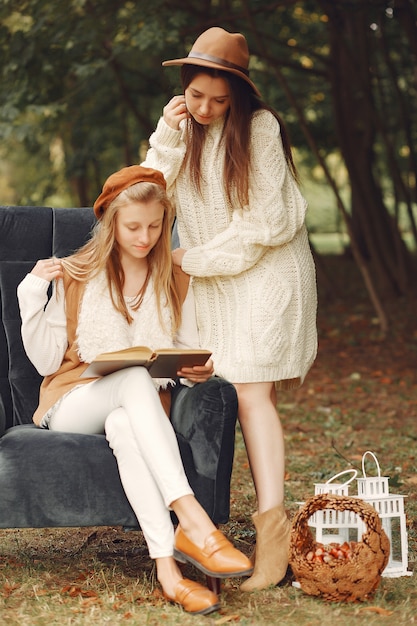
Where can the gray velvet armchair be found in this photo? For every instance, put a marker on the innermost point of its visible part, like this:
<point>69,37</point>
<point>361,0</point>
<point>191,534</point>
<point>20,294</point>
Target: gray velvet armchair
<point>51,479</point>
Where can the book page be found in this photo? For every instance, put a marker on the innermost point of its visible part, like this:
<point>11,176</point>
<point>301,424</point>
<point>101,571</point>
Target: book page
<point>136,352</point>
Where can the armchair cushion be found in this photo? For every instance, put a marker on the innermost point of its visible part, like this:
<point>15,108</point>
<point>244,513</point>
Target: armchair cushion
<point>50,479</point>
<point>55,479</point>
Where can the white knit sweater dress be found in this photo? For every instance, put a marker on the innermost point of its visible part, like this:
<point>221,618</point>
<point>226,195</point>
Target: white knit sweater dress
<point>253,273</point>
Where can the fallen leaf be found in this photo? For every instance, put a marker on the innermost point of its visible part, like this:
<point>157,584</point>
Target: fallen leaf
<point>74,591</point>
<point>376,609</point>
<point>227,618</point>
<point>8,589</point>
<point>91,601</point>
<point>41,592</point>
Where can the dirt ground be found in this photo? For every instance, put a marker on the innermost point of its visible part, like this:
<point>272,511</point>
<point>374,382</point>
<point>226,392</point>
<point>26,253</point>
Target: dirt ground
<point>361,394</point>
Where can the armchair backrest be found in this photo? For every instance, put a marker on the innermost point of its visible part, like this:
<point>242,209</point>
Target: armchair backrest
<point>26,235</point>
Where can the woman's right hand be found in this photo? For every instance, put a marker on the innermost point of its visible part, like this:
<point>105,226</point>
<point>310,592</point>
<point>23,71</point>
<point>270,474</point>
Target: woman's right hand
<point>48,269</point>
<point>198,373</point>
<point>175,111</point>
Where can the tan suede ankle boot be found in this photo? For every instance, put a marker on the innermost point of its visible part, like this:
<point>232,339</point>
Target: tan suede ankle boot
<point>272,543</point>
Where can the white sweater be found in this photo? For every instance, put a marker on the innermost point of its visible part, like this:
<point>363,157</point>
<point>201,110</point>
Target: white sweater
<point>44,330</point>
<point>254,276</point>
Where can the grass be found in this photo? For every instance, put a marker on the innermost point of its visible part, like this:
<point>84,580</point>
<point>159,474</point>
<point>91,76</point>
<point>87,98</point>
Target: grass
<point>361,394</point>
<point>103,576</point>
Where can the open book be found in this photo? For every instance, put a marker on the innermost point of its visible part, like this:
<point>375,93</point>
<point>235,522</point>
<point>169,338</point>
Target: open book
<point>163,363</point>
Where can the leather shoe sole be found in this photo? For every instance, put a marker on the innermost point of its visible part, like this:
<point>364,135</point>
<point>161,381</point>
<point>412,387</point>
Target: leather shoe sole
<point>194,598</point>
<point>219,558</point>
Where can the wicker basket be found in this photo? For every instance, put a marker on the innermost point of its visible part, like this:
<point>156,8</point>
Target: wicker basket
<point>346,580</point>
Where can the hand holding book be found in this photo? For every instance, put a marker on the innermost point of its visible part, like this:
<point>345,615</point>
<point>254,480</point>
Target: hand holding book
<point>161,363</point>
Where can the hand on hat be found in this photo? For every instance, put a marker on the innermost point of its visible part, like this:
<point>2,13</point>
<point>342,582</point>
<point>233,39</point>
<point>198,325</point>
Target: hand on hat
<point>175,111</point>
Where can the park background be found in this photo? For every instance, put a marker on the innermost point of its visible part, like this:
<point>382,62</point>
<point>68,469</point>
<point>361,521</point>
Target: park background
<point>81,90</point>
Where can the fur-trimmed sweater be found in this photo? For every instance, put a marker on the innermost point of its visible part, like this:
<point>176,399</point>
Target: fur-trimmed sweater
<point>254,277</point>
<point>79,322</point>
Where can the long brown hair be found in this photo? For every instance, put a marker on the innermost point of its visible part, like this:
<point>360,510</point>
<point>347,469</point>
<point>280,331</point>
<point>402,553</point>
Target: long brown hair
<point>236,134</point>
<point>101,252</point>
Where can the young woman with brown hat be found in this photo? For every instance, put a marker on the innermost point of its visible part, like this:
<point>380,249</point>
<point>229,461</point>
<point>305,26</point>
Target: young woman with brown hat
<point>117,291</point>
<point>241,221</point>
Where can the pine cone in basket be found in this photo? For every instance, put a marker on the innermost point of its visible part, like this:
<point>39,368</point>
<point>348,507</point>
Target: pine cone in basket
<point>351,578</point>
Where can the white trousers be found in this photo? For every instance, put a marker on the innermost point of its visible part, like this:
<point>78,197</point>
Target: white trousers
<point>126,407</point>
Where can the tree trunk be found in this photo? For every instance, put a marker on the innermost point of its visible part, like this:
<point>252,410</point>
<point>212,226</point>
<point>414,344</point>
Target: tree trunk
<point>354,111</point>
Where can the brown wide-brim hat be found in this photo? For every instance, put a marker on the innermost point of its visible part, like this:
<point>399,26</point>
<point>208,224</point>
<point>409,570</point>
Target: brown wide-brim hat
<point>121,180</point>
<point>221,50</point>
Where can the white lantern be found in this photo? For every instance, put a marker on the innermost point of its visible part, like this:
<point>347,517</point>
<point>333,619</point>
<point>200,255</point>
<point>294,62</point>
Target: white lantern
<point>333,526</point>
<point>390,508</point>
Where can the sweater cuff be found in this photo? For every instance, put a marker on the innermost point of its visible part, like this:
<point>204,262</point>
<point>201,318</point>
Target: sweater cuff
<point>35,284</point>
<point>32,292</point>
<point>192,262</point>
<point>166,135</point>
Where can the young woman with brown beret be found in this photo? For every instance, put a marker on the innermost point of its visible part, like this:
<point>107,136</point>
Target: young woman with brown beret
<point>117,291</point>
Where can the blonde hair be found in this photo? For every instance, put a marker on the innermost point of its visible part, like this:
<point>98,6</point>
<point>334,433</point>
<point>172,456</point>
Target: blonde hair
<point>101,253</point>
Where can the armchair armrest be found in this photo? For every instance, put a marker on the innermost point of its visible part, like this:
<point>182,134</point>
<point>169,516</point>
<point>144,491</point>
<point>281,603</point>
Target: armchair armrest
<point>2,418</point>
<point>204,419</point>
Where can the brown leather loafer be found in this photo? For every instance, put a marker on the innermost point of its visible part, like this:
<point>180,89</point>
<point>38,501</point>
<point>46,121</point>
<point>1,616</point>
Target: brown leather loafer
<point>218,558</point>
<point>194,598</point>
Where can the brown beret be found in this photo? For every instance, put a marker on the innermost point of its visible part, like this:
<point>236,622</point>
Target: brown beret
<point>123,179</point>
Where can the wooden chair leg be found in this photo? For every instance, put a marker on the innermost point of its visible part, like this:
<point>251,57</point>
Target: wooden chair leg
<point>214,584</point>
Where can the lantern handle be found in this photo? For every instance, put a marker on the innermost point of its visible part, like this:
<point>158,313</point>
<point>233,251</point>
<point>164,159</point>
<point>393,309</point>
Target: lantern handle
<point>376,462</point>
<point>349,471</point>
